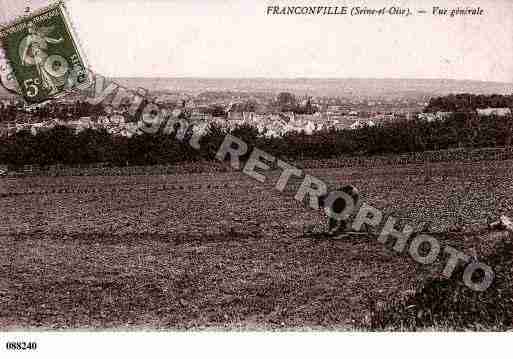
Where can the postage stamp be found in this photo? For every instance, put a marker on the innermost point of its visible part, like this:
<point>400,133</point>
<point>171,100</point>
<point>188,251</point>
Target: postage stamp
<point>43,53</point>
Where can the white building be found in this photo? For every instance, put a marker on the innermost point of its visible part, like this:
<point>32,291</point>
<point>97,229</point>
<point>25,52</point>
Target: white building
<point>437,116</point>
<point>494,111</point>
<point>357,124</point>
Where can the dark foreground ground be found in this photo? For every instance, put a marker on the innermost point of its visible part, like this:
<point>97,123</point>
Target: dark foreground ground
<point>220,250</point>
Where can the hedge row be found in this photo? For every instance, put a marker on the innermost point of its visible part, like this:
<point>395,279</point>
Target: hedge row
<point>104,169</point>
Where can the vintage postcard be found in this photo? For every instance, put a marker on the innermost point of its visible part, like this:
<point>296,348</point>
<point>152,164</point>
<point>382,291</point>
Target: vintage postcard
<point>242,166</point>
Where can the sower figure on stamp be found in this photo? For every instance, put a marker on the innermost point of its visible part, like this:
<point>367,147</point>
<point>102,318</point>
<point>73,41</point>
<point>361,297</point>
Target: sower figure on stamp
<point>33,53</point>
<point>339,205</point>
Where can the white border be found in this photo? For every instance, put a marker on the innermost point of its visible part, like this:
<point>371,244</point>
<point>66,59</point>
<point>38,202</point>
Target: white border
<point>262,345</point>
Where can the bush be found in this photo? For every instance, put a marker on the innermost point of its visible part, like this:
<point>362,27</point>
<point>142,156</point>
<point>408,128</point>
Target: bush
<point>447,303</point>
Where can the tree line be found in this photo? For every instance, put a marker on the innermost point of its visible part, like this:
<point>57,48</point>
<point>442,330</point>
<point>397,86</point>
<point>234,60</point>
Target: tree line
<point>467,102</point>
<point>61,145</point>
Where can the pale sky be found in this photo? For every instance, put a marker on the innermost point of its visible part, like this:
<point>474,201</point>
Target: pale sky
<point>235,38</point>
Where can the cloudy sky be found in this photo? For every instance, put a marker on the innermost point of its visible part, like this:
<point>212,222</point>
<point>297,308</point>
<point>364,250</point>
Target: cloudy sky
<point>235,38</point>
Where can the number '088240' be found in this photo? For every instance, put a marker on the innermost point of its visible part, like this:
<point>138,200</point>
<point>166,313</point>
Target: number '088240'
<point>21,345</point>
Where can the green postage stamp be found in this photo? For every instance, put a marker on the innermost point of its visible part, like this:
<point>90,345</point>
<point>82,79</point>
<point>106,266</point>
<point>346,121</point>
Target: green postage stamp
<point>44,55</point>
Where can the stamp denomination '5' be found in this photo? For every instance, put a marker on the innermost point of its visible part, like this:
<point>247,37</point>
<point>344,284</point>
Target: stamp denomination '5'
<point>44,55</point>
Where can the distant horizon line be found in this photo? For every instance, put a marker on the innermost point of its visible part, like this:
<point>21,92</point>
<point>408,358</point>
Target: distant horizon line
<point>311,78</point>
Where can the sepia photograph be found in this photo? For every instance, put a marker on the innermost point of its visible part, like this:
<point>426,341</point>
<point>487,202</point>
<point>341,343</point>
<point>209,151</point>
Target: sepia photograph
<point>235,166</point>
